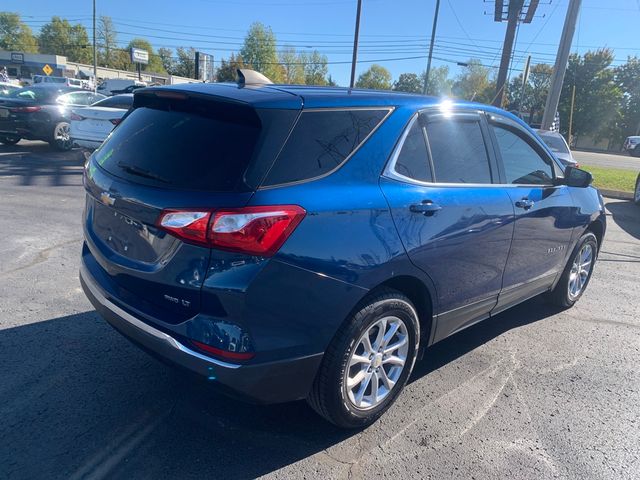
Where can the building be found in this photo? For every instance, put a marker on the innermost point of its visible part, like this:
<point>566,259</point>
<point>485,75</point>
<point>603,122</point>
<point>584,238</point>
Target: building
<point>22,65</point>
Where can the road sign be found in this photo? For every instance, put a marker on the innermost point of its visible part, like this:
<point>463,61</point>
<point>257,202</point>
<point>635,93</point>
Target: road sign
<point>47,69</point>
<point>139,56</point>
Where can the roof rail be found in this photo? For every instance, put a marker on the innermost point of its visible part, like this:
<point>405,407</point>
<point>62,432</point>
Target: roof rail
<point>246,76</point>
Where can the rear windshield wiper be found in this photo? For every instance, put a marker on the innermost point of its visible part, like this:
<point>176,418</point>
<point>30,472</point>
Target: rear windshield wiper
<point>141,172</point>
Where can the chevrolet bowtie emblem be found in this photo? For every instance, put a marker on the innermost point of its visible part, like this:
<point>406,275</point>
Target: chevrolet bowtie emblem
<point>107,199</point>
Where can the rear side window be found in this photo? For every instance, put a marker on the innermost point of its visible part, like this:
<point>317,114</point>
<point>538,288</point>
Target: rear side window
<point>413,159</point>
<point>119,101</point>
<point>181,149</point>
<point>522,164</point>
<point>320,142</point>
<point>458,151</point>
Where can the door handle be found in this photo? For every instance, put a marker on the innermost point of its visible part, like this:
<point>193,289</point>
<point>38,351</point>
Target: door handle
<point>525,203</point>
<point>427,208</point>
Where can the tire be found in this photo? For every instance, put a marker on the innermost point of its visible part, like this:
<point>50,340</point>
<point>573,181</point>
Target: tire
<point>565,294</point>
<point>346,358</point>
<point>60,138</point>
<point>636,191</point>
<point>9,139</point>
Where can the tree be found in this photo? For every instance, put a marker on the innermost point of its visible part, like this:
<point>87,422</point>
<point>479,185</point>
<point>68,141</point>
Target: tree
<point>227,70</point>
<point>408,82</point>
<point>168,62</point>
<point>627,77</point>
<point>473,83</point>
<point>259,52</point>
<point>155,62</point>
<point>376,77</point>
<point>315,66</point>
<point>598,98</point>
<point>535,92</point>
<point>59,37</point>
<point>292,67</point>
<point>439,81</point>
<point>185,65</point>
<point>15,35</point>
<point>107,40</point>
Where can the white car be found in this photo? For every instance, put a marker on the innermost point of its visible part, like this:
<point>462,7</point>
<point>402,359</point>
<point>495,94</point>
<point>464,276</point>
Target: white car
<point>91,125</point>
<point>630,145</point>
<point>558,146</point>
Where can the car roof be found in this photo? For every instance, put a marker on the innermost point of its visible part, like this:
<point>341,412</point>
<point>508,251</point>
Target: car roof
<point>298,96</point>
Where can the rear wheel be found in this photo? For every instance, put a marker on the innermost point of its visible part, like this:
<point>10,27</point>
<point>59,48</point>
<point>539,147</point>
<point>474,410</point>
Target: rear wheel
<point>636,191</point>
<point>368,362</point>
<point>577,273</point>
<point>9,139</point>
<point>61,137</point>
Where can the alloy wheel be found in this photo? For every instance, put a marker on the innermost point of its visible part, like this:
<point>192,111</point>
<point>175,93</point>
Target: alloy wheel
<point>62,136</point>
<point>377,362</point>
<point>580,270</point>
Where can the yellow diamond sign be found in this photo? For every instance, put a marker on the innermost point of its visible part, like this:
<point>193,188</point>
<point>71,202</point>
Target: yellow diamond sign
<point>47,69</point>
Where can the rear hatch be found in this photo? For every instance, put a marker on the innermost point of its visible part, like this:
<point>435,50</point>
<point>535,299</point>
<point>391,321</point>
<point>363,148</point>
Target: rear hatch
<point>173,151</point>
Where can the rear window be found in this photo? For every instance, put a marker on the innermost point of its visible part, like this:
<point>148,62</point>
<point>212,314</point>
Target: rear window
<point>119,101</point>
<point>321,141</point>
<point>208,150</point>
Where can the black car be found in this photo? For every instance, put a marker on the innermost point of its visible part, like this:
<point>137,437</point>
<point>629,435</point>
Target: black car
<point>41,113</point>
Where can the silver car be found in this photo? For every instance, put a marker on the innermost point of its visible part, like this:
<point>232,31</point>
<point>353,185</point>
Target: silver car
<point>558,146</point>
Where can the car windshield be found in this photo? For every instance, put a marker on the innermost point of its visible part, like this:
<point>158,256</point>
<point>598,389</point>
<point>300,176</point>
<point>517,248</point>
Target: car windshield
<point>556,144</point>
<point>39,94</point>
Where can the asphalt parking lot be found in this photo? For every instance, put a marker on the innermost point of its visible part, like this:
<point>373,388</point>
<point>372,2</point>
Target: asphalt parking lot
<point>532,393</point>
<point>610,160</point>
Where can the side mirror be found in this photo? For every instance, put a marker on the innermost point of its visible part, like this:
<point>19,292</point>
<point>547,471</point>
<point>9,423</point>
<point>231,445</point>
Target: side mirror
<point>575,177</point>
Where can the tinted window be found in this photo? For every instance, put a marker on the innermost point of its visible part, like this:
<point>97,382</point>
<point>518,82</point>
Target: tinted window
<point>119,101</point>
<point>179,149</point>
<point>522,164</point>
<point>556,144</point>
<point>458,152</point>
<point>320,142</point>
<point>413,159</point>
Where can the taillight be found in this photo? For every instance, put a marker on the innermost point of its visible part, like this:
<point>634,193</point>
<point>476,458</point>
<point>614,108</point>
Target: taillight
<point>115,121</point>
<point>226,354</point>
<point>75,116</point>
<point>252,230</point>
<point>25,109</point>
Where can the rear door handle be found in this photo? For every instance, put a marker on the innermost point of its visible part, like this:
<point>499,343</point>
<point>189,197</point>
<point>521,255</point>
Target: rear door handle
<point>525,203</point>
<point>427,208</point>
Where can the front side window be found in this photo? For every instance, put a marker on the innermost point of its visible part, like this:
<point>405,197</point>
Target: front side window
<point>458,151</point>
<point>321,141</point>
<point>522,163</point>
<point>413,158</point>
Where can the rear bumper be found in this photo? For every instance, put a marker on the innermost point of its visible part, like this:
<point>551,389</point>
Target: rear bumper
<point>91,144</point>
<point>272,382</point>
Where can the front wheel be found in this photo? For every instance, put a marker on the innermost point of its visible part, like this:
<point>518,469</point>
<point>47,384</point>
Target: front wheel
<point>636,191</point>
<point>577,273</point>
<point>368,362</point>
<point>9,139</point>
<point>61,137</point>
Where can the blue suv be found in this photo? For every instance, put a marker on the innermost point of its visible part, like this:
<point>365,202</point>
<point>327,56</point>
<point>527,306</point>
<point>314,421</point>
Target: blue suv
<point>292,242</point>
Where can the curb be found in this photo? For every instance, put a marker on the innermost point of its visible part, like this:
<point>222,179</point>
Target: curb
<point>616,194</point>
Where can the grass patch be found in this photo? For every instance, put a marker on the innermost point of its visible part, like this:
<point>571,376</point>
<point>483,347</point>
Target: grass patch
<point>612,178</point>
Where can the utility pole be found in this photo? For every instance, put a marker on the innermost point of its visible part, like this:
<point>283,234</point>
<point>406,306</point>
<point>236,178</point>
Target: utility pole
<point>514,9</point>
<point>95,54</point>
<point>525,78</point>
<point>560,66</point>
<point>433,38</point>
<point>573,101</point>
<point>355,46</point>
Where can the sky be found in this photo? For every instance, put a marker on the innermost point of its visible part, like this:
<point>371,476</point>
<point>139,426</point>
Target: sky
<point>393,33</point>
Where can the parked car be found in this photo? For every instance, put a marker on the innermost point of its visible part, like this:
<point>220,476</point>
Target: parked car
<point>6,88</point>
<point>91,125</point>
<point>630,145</point>
<point>558,145</point>
<point>129,89</point>
<point>296,242</point>
<point>113,86</point>
<point>41,112</point>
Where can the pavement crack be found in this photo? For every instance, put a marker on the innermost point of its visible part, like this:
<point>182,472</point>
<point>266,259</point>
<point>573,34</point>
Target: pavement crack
<point>41,256</point>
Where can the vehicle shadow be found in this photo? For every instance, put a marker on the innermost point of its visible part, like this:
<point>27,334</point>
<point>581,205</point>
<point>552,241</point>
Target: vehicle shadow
<point>626,215</point>
<point>36,162</point>
<point>77,400</point>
